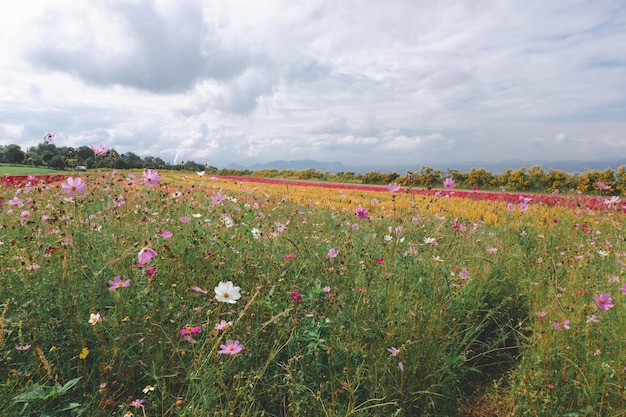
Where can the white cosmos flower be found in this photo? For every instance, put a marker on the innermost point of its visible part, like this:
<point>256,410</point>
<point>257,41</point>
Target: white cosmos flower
<point>256,233</point>
<point>94,318</point>
<point>226,292</point>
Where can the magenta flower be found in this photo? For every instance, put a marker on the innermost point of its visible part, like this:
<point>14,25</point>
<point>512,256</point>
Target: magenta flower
<point>623,289</point>
<point>232,347</point>
<point>188,330</point>
<point>380,260</point>
<point>449,183</point>
<point>146,255</point>
<point>151,271</point>
<point>166,234</point>
<point>73,186</point>
<point>332,253</point>
<point>564,325</point>
<point>198,289</point>
<point>151,177</point>
<point>118,282</point>
<point>361,213</point>
<point>603,301</point>
<point>296,297</point>
<point>541,314</point>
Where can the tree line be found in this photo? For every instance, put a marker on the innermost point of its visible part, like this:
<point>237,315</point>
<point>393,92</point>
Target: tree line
<point>535,178</point>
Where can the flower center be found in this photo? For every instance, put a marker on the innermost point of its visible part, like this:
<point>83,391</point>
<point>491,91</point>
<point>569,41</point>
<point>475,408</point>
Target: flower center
<point>226,295</point>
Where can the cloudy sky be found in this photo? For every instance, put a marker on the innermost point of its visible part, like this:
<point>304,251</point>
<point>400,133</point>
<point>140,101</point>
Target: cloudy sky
<point>356,81</point>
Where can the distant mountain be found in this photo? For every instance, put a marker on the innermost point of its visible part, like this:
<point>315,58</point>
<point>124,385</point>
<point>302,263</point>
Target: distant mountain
<point>298,165</point>
<point>569,166</point>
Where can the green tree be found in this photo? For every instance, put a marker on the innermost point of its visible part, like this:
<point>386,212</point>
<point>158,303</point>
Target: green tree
<point>537,178</point>
<point>518,180</point>
<point>481,178</point>
<point>57,162</point>
<point>13,154</point>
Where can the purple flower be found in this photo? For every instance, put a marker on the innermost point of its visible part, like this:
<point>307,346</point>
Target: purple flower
<point>602,186</point>
<point>361,213</point>
<point>604,301</point>
<point>463,274</point>
<point>449,183</point>
<point>332,253</point>
<point>151,177</point>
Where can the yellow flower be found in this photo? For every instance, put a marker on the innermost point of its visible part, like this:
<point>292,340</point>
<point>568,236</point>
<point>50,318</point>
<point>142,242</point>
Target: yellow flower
<point>83,353</point>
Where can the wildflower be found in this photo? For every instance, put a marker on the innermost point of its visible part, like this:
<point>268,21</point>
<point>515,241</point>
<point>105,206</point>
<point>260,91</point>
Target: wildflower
<point>137,403</point>
<point>146,255</point>
<point>394,351</point>
<point>185,219</point>
<point>223,325</point>
<point>449,183</point>
<point>147,389</point>
<point>83,353</point>
<point>401,366</point>
<point>99,150</point>
<point>394,187</point>
<point>492,250</point>
<point>541,314</point>
<point>592,319</point>
<point>151,271</point>
<point>296,297</point>
<point>430,241</point>
<point>564,325</point>
<point>118,282</point>
<point>22,348</point>
<point>623,289</point>
<point>380,260</point>
<point>230,348</point>
<point>94,318</point>
<point>463,274</point>
<point>166,234</point>
<point>603,301</point>
<point>226,292</point>
<point>602,186</point>
<point>198,289</point>
<point>151,177</point>
<point>361,213</point>
<point>228,222</point>
<point>73,186</point>
<point>332,253</point>
<point>288,256</point>
<point>256,233</point>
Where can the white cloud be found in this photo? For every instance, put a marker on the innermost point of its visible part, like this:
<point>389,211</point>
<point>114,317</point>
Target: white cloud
<point>240,81</point>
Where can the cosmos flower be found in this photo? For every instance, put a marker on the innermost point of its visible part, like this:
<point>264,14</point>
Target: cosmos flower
<point>226,292</point>
<point>232,347</point>
<point>73,186</point>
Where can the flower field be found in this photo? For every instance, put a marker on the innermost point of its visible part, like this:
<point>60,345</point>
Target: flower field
<point>160,294</point>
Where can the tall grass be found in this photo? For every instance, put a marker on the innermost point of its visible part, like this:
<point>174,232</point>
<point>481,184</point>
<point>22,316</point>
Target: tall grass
<point>404,312</point>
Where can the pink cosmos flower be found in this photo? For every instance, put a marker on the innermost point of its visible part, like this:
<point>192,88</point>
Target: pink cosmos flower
<point>73,186</point>
<point>166,234</point>
<point>394,351</point>
<point>146,255</point>
<point>602,186</point>
<point>361,213</point>
<point>118,282</point>
<point>394,187</point>
<point>223,325</point>
<point>296,297</point>
<point>198,289</point>
<point>151,271</point>
<point>188,330</point>
<point>623,289</point>
<point>332,253</point>
<point>603,301</point>
<point>22,348</point>
<point>463,274</point>
<point>99,150</point>
<point>449,183</point>
<point>232,347</point>
<point>151,177</point>
<point>541,314</point>
<point>137,403</point>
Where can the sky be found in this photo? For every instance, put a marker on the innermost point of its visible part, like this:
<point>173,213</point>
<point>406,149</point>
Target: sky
<point>356,81</point>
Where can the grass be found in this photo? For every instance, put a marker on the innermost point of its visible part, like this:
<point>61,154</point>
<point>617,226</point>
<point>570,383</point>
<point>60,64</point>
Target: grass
<point>430,306</point>
<point>6,169</point>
